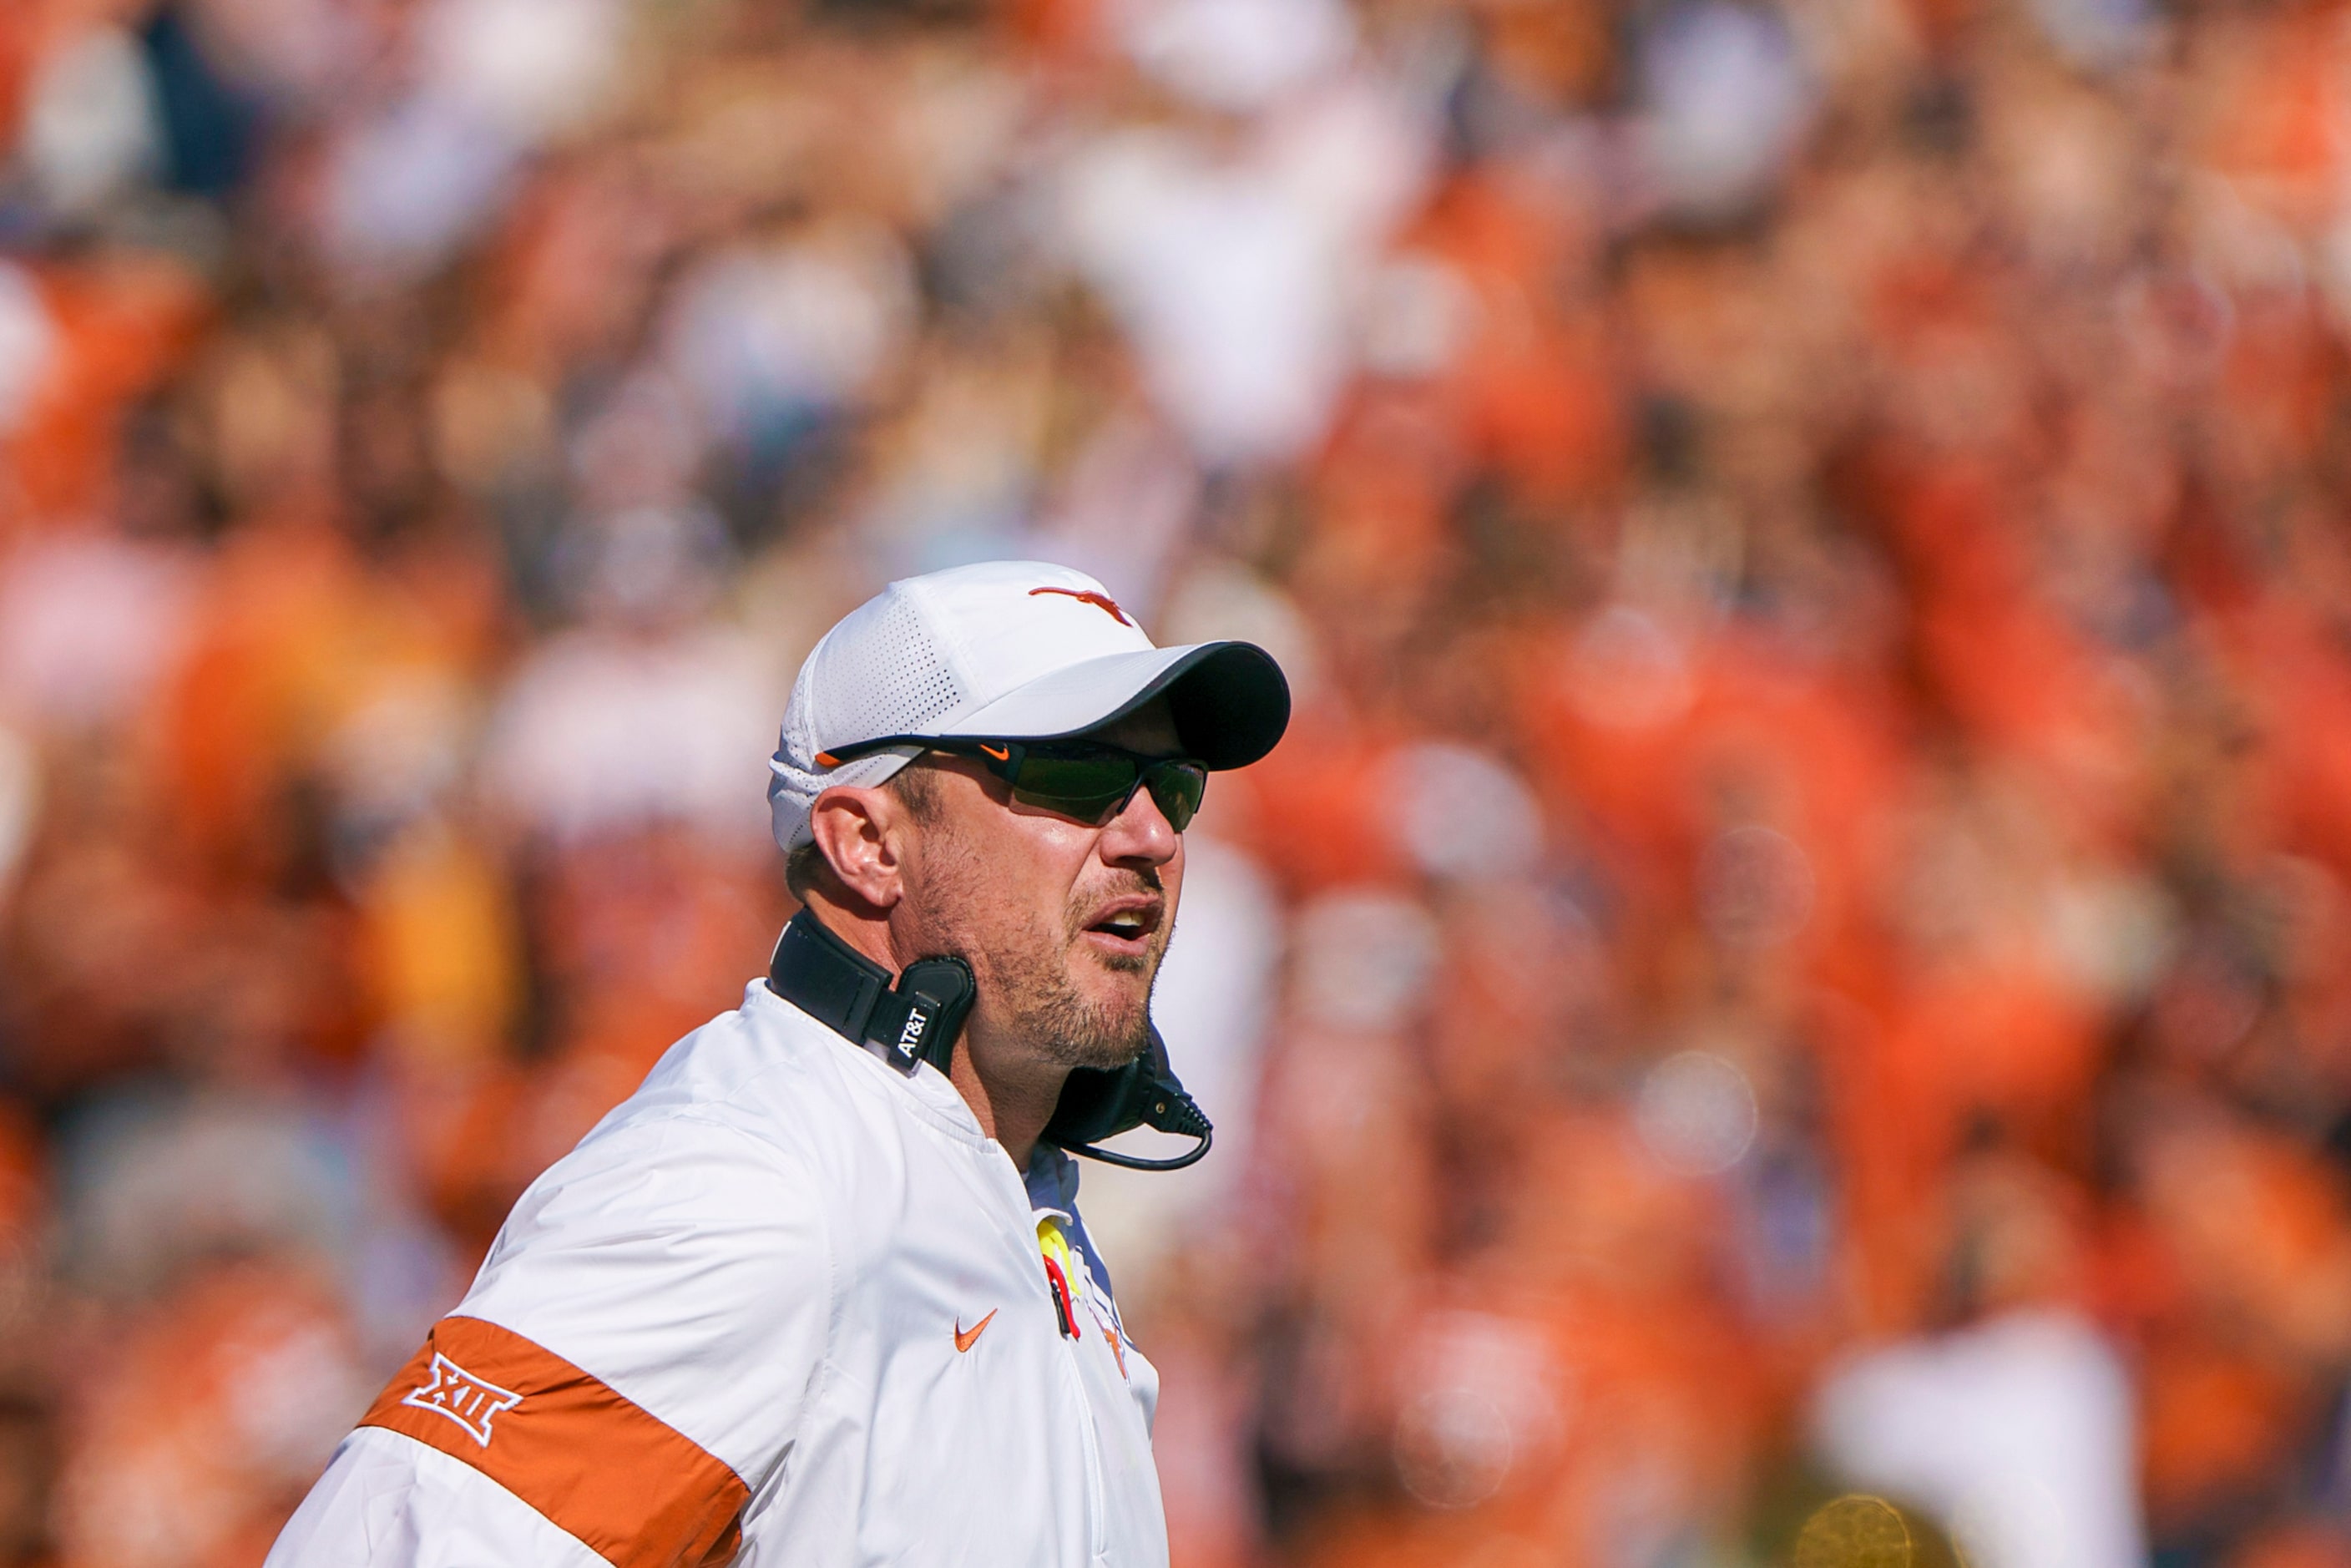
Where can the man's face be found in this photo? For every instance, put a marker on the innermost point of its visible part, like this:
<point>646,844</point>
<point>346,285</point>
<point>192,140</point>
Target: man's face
<point>1063,923</point>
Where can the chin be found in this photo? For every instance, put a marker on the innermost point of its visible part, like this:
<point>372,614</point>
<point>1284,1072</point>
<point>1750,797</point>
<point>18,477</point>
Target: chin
<point>1121,987</point>
<point>1118,997</point>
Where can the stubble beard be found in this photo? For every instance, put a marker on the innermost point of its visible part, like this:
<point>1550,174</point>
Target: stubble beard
<point>1028,967</point>
<point>1047,1008</point>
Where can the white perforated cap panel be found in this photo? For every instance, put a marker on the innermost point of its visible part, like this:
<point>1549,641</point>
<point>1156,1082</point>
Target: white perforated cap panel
<point>877,673</point>
<point>900,683</point>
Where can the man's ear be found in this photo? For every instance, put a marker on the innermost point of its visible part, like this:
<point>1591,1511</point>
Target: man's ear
<point>862,835</point>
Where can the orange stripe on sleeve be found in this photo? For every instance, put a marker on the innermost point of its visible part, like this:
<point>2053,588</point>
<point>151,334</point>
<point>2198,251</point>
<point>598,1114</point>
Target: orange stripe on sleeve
<point>640,1493</point>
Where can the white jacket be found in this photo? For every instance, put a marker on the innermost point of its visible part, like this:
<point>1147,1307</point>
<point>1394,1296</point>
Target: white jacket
<point>782,1305</point>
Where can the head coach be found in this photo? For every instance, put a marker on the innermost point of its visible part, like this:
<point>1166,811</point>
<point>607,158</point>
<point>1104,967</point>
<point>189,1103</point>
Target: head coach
<point>818,1294</point>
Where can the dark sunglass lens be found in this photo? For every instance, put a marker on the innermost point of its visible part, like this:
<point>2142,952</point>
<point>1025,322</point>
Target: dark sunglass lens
<point>1178,788</point>
<point>1087,788</point>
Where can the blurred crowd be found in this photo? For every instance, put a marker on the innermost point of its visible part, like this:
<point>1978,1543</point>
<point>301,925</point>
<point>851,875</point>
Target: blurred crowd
<point>1798,947</point>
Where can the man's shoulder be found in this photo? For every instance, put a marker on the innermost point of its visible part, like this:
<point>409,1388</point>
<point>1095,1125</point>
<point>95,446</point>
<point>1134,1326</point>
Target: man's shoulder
<point>762,1158</point>
<point>683,1261</point>
<point>708,1173</point>
<point>767,1082</point>
<point>763,1067</point>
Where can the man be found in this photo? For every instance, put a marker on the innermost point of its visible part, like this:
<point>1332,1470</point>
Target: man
<point>805,1298</point>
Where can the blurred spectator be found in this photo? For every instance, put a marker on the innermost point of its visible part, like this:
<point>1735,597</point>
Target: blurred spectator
<point>1799,940</point>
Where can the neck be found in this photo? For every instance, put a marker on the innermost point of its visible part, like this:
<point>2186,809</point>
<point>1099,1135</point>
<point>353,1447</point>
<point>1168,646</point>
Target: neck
<point>1012,1094</point>
<point>1014,1115</point>
<point>866,929</point>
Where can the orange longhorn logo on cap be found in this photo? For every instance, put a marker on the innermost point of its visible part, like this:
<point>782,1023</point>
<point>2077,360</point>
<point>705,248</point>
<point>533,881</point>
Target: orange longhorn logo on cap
<point>1087,596</point>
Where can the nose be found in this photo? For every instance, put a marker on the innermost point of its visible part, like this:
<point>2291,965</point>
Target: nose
<point>1140,835</point>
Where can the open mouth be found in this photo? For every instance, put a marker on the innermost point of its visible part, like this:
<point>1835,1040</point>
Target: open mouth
<point>1128,923</point>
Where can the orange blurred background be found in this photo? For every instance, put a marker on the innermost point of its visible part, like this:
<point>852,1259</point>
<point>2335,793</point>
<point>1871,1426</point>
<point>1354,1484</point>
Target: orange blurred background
<point>1799,944</point>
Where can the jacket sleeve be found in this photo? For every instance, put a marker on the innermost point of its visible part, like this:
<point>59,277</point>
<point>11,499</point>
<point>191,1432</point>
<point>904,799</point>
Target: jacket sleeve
<point>387,1500</point>
<point>630,1366</point>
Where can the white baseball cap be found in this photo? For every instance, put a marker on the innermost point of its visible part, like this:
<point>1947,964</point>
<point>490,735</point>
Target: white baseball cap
<point>1005,650</point>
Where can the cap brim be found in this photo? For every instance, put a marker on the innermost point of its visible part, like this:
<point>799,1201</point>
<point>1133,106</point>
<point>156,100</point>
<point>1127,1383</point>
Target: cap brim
<point>1230,701</point>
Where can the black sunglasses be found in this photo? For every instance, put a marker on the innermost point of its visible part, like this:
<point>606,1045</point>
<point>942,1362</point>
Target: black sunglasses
<point>1086,779</point>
